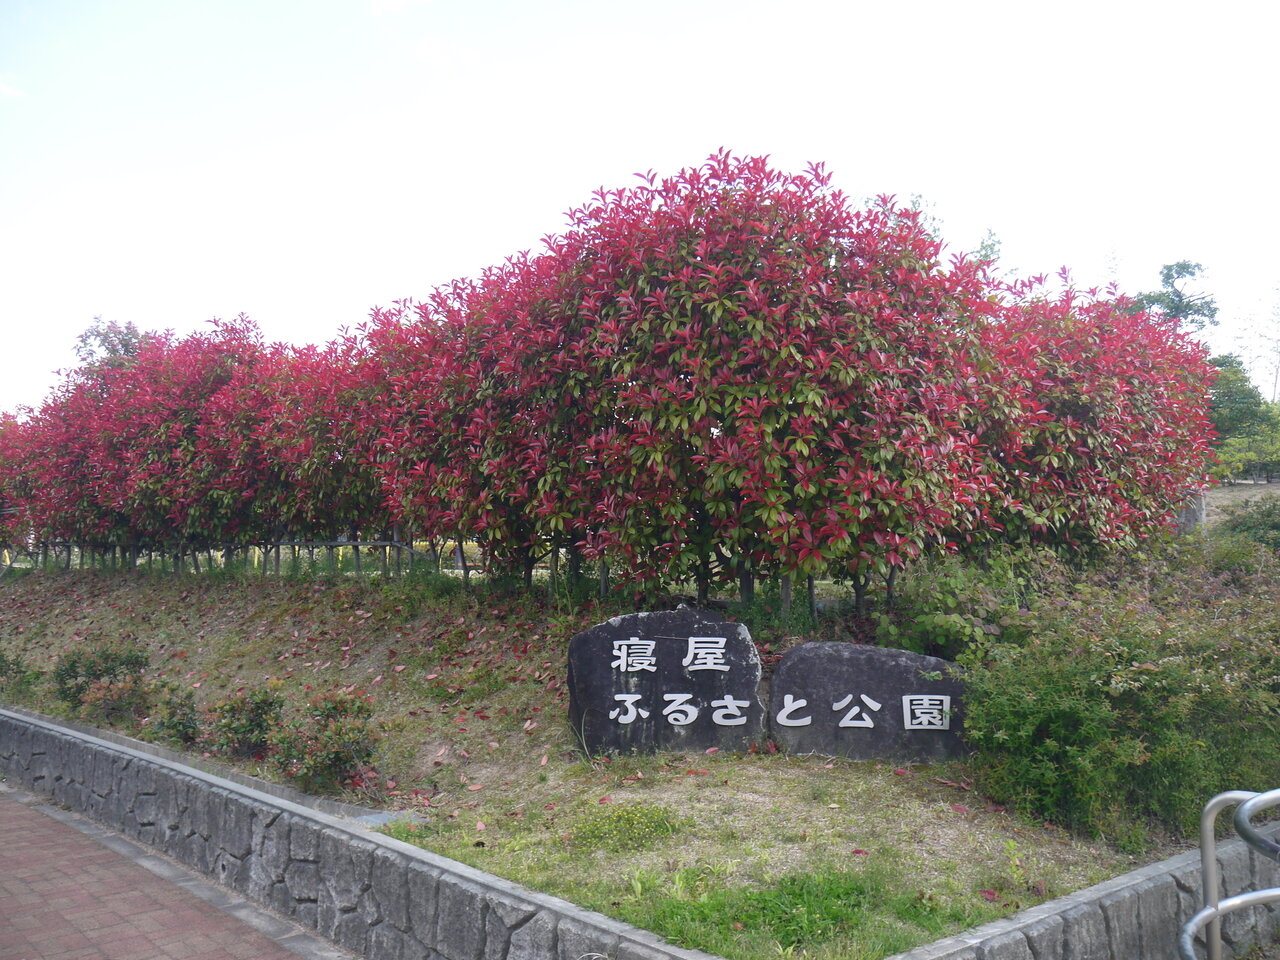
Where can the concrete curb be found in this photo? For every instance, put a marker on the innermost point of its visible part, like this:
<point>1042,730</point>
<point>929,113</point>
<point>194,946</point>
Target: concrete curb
<point>388,900</point>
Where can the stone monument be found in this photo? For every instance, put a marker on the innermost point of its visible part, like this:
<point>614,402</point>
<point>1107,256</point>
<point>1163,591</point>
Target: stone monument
<point>672,680</point>
<point>866,703</point>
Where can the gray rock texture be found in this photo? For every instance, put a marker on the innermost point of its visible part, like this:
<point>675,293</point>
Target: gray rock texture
<point>391,901</point>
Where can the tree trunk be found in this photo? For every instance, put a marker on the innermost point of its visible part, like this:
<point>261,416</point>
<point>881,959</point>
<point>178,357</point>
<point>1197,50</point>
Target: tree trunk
<point>462,563</point>
<point>859,594</point>
<point>575,568</point>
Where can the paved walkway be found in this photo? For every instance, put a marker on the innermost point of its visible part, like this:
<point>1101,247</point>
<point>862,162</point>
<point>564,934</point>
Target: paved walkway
<point>70,890</point>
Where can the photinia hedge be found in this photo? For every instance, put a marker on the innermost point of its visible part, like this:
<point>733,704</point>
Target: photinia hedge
<point>1115,429</point>
<point>729,374</point>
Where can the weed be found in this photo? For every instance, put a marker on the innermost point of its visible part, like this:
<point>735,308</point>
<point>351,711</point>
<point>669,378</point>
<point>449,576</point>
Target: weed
<point>1014,870</point>
<point>1237,556</point>
<point>945,605</point>
<point>840,912</point>
<point>626,827</point>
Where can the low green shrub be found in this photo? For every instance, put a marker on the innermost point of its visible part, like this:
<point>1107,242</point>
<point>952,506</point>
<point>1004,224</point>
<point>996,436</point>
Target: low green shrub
<point>626,828</point>
<point>174,715</point>
<point>241,725</point>
<point>1236,557</point>
<point>944,604</point>
<point>17,678</point>
<point>124,701</point>
<point>75,672</point>
<point>334,741</point>
<point>1115,714</point>
<point>1258,520</point>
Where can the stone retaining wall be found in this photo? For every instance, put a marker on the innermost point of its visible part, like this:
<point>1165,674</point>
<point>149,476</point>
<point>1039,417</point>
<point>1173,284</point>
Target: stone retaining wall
<point>387,900</point>
<point>1136,915</point>
<point>368,893</point>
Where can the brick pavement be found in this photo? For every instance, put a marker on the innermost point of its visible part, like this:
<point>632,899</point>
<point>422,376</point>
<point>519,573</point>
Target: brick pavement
<point>70,891</point>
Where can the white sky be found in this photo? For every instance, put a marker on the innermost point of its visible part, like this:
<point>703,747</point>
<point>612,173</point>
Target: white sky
<point>168,161</point>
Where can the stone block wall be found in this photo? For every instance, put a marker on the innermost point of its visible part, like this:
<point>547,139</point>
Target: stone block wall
<point>386,900</point>
<point>371,894</point>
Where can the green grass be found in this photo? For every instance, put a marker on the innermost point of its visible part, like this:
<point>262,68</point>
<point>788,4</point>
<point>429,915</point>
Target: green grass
<point>729,907</point>
<point>829,912</point>
<point>475,743</point>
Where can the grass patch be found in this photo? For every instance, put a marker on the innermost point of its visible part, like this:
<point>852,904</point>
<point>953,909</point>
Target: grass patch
<point>637,826</point>
<point>829,912</point>
<point>468,692</point>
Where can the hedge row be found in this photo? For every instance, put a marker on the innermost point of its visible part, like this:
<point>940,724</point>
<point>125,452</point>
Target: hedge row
<point>729,374</point>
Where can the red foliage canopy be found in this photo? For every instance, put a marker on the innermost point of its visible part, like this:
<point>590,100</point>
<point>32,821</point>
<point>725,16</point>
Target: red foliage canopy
<point>731,372</point>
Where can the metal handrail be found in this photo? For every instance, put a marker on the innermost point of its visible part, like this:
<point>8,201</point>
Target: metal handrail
<point>1251,834</point>
<point>1214,915</point>
<point>1249,805</point>
<point>1209,865</point>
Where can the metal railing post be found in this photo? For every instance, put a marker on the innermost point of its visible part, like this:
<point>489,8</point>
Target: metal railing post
<point>1209,864</point>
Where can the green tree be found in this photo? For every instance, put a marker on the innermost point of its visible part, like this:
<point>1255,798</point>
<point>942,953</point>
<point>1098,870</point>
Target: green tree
<point>989,249</point>
<point>1192,311</point>
<point>1236,406</point>
<point>1255,454</point>
<point>107,344</point>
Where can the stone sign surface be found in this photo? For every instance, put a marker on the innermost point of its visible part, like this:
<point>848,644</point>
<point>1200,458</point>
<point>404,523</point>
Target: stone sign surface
<point>866,703</point>
<point>671,680</point>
